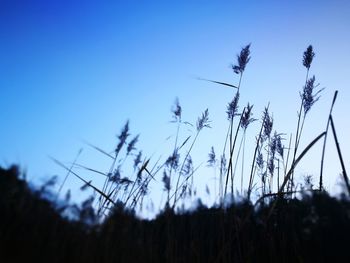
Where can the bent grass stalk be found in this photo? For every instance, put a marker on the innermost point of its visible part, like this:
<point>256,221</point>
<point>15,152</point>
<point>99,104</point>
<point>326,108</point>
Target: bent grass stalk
<point>345,176</point>
<point>289,174</point>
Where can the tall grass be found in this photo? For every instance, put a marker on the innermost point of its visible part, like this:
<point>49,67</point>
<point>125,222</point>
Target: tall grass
<point>268,224</point>
<point>267,174</point>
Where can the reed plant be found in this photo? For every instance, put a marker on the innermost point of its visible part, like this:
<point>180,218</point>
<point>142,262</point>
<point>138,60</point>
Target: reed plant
<point>104,228</point>
<point>269,160</point>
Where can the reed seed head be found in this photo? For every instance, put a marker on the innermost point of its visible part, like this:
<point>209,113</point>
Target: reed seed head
<point>173,160</point>
<point>260,161</point>
<point>273,144</point>
<point>137,159</point>
<point>309,96</point>
<point>122,137</point>
<point>203,121</point>
<point>177,111</point>
<point>232,107</point>
<point>188,167</point>
<point>308,57</point>
<point>268,124</point>
<point>212,157</point>
<point>222,164</point>
<point>247,117</point>
<point>131,145</point>
<point>279,146</point>
<point>242,60</point>
<point>115,177</point>
<point>166,181</point>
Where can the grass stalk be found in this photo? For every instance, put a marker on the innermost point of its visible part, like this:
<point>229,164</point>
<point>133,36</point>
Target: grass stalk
<point>252,170</point>
<point>231,152</point>
<point>68,173</point>
<point>345,176</point>
<point>290,172</point>
<point>183,164</point>
<point>242,168</point>
<point>298,132</point>
<point>325,139</point>
<point>83,180</point>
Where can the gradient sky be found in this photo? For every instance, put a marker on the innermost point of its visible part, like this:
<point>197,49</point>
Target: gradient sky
<point>77,70</point>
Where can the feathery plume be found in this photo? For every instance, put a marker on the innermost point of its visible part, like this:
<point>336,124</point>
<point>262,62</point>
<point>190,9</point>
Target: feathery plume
<point>212,158</point>
<point>137,160</point>
<point>176,110</point>
<point>247,117</point>
<point>268,124</point>
<point>308,96</point>
<point>131,145</point>
<point>232,107</point>
<point>203,121</point>
<point>308,57</point>
<point>173,160</point>
<point>122,137</point>
<point>242,60</point>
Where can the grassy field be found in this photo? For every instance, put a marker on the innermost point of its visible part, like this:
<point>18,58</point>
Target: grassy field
<point>274,220</point>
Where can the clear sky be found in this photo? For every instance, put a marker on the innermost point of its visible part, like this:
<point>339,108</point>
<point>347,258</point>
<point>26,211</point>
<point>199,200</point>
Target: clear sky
<point>77,70</point>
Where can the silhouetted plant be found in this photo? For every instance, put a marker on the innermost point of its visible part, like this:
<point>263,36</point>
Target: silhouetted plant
<point>308,98</point>
<point>266,126</point>
<point>212,158</point>
<point>246,120</point>
<point>311,228</point>
<point>202,122</point>
<point>308,57</point>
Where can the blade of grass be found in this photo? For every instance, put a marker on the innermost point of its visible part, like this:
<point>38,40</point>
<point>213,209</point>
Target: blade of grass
<point>68,173</point>
<point>297,160</point>
<point>219,82</point>
<point>99,149</point>
<point>324,141</point>
<point>90,169</point>
<point>291,171</point>
<point>346,179</point>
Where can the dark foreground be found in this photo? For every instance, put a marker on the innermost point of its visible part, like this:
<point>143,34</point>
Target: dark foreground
<point>314,229</point>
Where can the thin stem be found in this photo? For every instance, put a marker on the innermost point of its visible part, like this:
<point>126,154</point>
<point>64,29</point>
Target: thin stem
<point>297,137</point>
<point>244,136</point>
<point>251,177</point>
<point>240,79</point>
<point>324,141</point>
<point>267,161</point>
<point>290,142</point>
<point>68,173</point>
<point>278,173</point>
<point>183,164</point>
<point>231,153</point>
<point>237,159</point>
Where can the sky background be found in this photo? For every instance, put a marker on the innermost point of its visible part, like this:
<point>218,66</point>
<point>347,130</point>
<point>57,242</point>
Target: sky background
<point>77,70</point>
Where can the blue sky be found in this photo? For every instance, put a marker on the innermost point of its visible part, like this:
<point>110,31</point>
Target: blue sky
<point>77,70</point>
